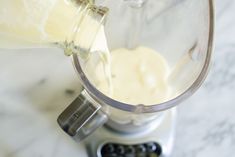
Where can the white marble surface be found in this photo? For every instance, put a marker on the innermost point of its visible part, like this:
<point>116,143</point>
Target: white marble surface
<point>35,86</point>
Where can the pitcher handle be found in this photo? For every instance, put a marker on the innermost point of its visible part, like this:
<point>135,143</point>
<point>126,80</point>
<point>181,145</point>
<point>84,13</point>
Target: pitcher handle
<point>81,118</point>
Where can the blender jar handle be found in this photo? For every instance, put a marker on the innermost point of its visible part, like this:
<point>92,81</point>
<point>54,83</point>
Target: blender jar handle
<point>81,118</point>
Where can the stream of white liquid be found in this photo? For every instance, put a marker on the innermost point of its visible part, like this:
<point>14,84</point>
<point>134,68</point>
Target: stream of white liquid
<point>136,76</point>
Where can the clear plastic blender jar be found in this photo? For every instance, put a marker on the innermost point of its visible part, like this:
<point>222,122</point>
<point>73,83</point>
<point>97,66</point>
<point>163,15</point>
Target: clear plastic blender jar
<point>181,31</point>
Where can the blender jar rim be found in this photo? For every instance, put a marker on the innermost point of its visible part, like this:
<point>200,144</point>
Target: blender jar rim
<point>105,100</point>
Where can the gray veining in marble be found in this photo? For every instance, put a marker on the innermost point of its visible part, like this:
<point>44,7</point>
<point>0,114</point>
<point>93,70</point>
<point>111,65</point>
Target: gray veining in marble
<point>35,87</point>
<point>206,123</point>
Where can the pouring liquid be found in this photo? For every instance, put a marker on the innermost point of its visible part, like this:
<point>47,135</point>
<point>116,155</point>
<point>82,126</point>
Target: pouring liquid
<point>33,23</point>
<point>135,76</point>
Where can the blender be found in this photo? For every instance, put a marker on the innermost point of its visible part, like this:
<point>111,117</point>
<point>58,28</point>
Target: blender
<point>182,31</point>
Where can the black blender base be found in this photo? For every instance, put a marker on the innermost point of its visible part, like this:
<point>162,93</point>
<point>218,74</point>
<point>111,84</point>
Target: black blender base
<point>150,149</point>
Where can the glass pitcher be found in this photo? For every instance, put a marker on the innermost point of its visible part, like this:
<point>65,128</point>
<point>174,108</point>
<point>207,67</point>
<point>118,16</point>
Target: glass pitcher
<point>181,30</point>
<point>51,23</point>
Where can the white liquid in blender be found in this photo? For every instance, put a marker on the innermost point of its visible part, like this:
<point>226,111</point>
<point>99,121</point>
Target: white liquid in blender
<point>138,76</point>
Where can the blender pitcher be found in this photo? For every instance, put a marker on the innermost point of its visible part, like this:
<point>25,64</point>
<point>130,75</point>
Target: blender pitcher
<point>180,30</point>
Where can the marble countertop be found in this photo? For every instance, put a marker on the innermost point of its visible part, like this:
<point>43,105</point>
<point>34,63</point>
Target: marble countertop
<point>35,86</point>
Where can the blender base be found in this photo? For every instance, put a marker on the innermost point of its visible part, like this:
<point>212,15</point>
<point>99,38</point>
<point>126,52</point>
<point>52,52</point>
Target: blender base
<point>106,142</point>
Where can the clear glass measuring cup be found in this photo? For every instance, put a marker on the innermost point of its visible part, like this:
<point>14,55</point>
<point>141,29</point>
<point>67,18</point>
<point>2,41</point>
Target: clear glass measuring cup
<point>51,23</point>
<point>181,30</point>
